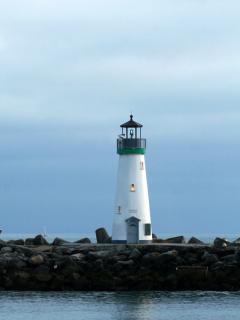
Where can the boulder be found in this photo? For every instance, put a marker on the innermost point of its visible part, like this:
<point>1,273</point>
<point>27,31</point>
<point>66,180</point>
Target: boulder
<point>194,240</point>
<point>117,258</point>
<point>36,260</point>
<point>230,258</point>
<point>59,242</point>
<point>218,242</point>
<point>78,256</point>
<point>29,241</point>
<point>179,239</point>
<point>210,260</point>
<point>43,277</point>
<point>147,258</point>
<point>135,255</point>
<point>84,240</point>
<point>125,263</point>
<point>2,243</point>
<point>142,272</point>
<point>205,255</point>
<point>108,240</point>
<point>5,250</point>
<point>19,242</point>
<point>19,275</point>
<point>166,257</point>
<point>196,272</point>
<point>102,236</point>
<point>39,240</point>
<point>237,241</point>
<point>2,271</point>
<point>99,255</point>
<point>5,282</point>
<point>42,269</point>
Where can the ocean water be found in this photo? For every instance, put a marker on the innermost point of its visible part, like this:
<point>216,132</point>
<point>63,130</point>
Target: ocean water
<point>159,305</point>
<point>119,305</point>
<point>207,238</point>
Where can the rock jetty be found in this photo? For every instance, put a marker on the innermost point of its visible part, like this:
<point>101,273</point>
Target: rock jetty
<point>34,264</point>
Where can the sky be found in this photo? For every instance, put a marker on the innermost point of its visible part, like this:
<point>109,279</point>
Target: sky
<point>71,72</point>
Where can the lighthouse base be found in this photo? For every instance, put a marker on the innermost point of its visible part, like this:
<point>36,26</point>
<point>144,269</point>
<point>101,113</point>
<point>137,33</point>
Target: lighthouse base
<point>125,242</point>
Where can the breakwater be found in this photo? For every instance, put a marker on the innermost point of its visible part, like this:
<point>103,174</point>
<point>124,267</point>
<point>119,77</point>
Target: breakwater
<point>108,267</point>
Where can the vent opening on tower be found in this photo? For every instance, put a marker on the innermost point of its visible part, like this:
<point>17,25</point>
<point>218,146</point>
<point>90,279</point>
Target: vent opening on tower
<point>147,229</point>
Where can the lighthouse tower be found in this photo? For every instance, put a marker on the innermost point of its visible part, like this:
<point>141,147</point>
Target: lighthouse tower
<point>132,221</point>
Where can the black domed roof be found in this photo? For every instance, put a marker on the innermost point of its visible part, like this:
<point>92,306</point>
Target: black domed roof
<point>131,124</point>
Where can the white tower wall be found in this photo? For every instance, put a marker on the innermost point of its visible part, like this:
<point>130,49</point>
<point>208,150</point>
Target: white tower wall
<point>128,203</point>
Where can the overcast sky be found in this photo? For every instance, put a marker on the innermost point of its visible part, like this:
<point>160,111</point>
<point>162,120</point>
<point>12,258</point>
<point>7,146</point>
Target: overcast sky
<point>72,72</point>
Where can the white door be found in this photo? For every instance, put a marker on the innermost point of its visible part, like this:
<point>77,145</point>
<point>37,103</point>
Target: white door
<point>132,232</point>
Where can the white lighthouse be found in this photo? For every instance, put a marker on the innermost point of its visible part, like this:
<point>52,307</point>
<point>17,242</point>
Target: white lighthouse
<point>132,220</point>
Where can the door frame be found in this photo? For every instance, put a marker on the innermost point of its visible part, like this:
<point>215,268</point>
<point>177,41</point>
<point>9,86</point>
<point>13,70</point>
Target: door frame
<point>127,226</point>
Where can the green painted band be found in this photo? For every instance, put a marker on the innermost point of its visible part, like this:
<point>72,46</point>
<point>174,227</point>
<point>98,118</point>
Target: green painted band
<point>129,151</point>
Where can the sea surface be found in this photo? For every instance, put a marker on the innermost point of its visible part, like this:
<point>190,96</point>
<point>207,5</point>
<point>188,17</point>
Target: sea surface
<point>15,305</point>
<point>207,238</point>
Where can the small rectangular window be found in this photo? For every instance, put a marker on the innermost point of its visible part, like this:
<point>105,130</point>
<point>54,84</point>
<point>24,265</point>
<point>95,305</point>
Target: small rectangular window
<point>141,165</point>
<point>132,187</point>
<point>119,209</point>
<point>147,229</point>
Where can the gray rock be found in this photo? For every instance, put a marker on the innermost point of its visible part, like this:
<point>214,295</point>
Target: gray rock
<point>125,253</point>
<point>20,275</point>
<point>42,269</point>
<point>108,240</point>
<point>25,251</point>
<point>98,263</point>
<point>194,240</point>
<point>230,258</point>
<point>135,254</point>
<point>6,262</point>
<point>102,235</point>
<point>78,256</point>
<point>29,242</point>
<point>59,242</point>
<point>40,240</point>
<point>237,241</point>
<point>36,260</point>
<point>84,240</point>
<point>125,263</point>
<point>2,243</point>
<point>166,257</point>
<point>179,239</point>
<point>2,271</point>
<point>205,255</point>
<point>5,250</point>
<point>150,256</point>
<point>143,272</point>
<point>117,258</point>
<point>19,242</point>
<point>104,255</point>
<point>210,260</point>
<point>218,242</point>
<point>43,277</point>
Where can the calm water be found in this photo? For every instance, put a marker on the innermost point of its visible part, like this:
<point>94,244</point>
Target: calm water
<point>207,238</point>
<point>119,305</point>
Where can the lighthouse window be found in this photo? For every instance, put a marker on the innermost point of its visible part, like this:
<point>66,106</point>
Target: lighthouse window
<point>141,165</point>
<point>132,187</point>
<point>147,229</point>
<point>119,209</point>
